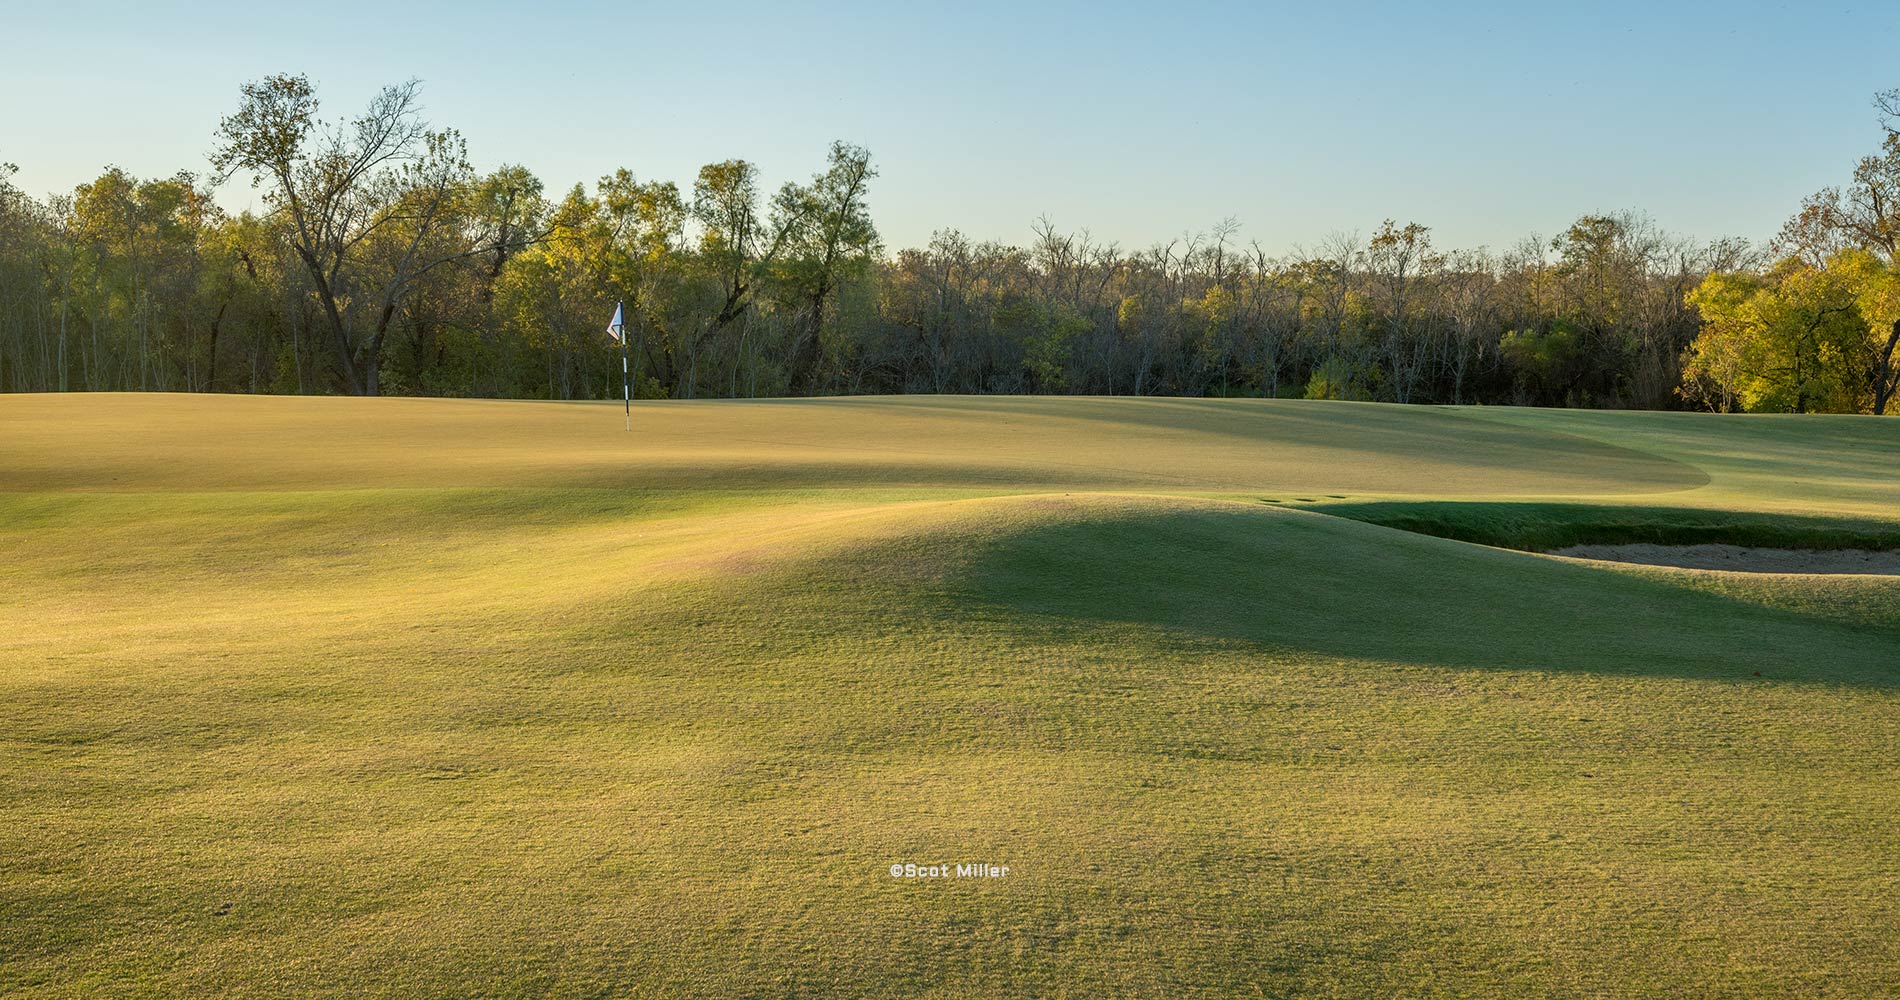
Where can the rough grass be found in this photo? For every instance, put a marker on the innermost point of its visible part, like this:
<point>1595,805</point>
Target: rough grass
<point>449,698</point>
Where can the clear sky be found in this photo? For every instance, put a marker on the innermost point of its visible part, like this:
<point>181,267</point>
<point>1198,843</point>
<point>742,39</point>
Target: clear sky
<point>1139,122</point>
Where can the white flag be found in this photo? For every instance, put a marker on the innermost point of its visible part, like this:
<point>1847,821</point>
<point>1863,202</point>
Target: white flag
<point>616,326</point>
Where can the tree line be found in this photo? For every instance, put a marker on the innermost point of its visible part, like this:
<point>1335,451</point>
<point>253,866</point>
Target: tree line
<point>383,262</point>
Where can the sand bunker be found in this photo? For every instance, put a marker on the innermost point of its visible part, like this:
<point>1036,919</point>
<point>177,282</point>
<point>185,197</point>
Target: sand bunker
<point>1744,558</point>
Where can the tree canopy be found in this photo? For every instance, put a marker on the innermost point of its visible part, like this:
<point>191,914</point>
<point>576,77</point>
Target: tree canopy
<point>383,262</point>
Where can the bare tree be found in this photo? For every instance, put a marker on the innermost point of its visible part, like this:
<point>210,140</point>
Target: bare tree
<point>370,204</point>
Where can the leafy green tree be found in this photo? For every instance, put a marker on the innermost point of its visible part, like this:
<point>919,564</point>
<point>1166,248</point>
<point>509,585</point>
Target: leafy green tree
<point>1875,284</point>
<point>1788,341</point>
<point>554,297</point>
<point>1546,362</point>
<point>138,242</point>
<point>828,231</point>
<point>240,289</point>
<point>1856,232</point>
<point>647,268</point>
<point>1337,378</point>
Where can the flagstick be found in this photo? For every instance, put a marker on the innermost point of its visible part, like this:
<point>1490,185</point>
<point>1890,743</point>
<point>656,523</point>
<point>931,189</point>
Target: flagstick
<point>618,328</point>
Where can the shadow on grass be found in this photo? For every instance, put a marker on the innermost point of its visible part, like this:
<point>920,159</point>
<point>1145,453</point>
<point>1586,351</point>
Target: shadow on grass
<point>1296,581</point>
<point>1542,527</point>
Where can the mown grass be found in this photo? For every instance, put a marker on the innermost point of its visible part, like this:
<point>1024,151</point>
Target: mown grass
<point>494,701</point>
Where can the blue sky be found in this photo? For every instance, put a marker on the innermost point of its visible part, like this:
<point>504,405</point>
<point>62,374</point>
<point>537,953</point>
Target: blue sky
<point>1139,122</point>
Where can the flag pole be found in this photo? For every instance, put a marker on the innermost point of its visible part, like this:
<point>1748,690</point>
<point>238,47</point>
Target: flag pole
<point>626,379</point>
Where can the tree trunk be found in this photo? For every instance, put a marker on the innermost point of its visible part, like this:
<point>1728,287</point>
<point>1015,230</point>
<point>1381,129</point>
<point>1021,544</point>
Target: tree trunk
<point>211,362</point>
<point>1886,380</point>
<point>372,360</point>
<point>806,354</point>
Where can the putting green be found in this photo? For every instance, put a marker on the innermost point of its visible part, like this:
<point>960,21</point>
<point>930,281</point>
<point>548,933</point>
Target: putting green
<point>465,697</point>
<point>145,442</point>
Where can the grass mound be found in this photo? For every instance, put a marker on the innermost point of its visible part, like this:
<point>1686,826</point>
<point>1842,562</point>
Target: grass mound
<point>1296,582</point>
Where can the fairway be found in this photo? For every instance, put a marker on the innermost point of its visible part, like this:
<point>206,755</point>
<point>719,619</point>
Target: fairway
<point>411,697</point>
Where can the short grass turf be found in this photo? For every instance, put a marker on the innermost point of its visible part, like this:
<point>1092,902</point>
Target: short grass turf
<point>449,698</point>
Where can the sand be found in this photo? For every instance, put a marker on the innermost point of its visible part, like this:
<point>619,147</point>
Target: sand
<point>1743,558</point>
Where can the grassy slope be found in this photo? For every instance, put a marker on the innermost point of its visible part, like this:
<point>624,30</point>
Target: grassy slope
<point>444,697</point>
